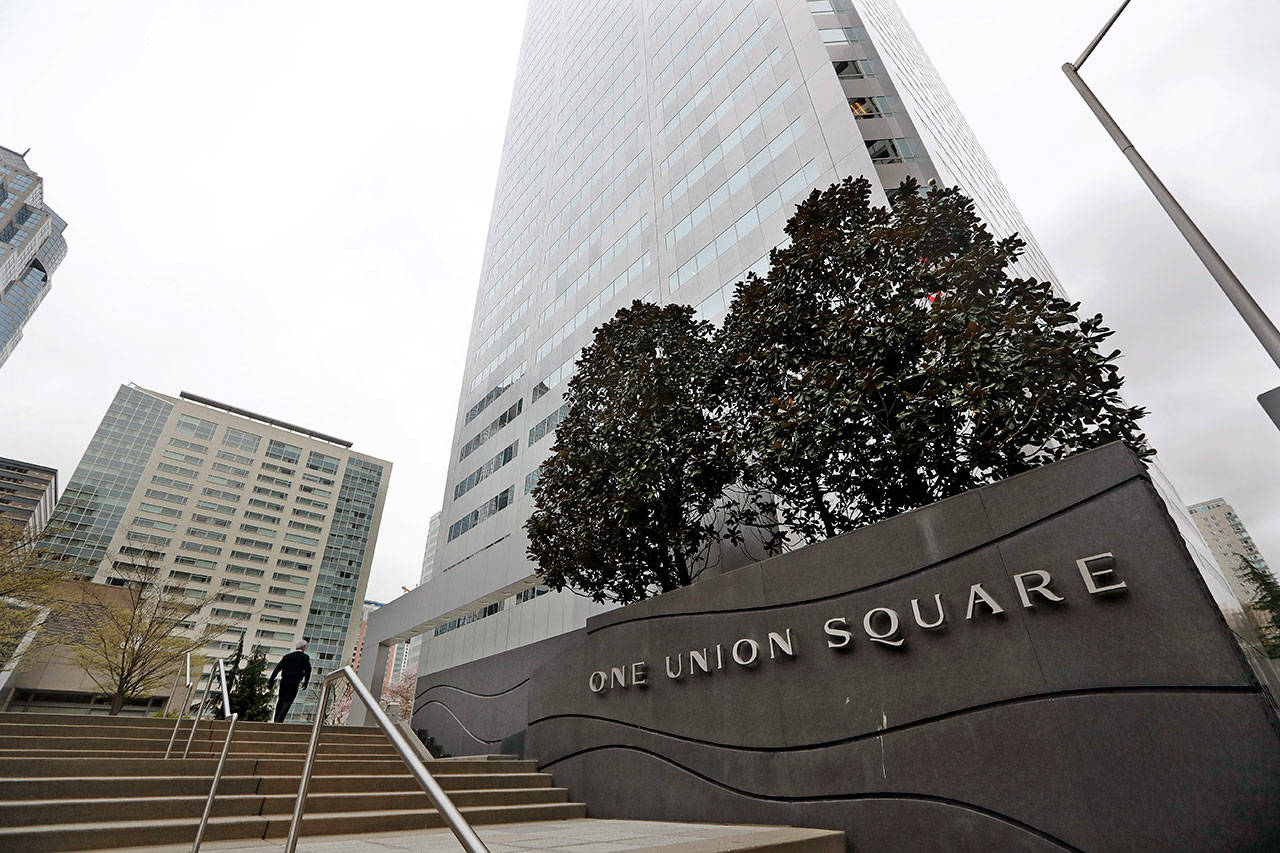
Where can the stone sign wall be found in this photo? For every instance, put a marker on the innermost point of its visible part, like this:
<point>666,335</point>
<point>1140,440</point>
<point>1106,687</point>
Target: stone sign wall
<point>1033,665</point>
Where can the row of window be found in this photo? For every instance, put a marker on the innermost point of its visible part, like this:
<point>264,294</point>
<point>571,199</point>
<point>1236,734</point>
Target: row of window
<point>718,82</point>
<point>498,359</point>
<point>731,141</point>
<point>489,431</point>
<point>547,425</point>
<point>693,141</point>
<point>507,323</point>
<point>747,223</point>
<point>586,312</point>
<point>895,150</point>
<point>493,506</point>
<point>619,246</point>
<point>584,248</point>
<point>736,181</point>
<point>507,454</point>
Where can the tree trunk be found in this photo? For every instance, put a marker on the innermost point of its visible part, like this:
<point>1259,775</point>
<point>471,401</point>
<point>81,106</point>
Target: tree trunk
<point>117,702</point>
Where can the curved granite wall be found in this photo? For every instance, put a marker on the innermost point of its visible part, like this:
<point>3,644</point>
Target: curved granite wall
<point>1066,700</point>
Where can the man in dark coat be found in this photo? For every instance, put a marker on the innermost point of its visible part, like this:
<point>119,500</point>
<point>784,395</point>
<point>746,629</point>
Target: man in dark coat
<point>294,670</point>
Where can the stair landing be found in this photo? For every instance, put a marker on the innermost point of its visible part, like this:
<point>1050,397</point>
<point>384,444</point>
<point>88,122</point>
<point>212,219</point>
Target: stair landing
<point>571,836</point>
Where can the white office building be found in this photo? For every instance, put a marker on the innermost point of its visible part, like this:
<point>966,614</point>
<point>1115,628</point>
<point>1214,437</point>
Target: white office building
<point>655,149</point>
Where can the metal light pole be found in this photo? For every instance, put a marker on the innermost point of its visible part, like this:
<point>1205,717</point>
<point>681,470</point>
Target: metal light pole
<point>1252,314</point>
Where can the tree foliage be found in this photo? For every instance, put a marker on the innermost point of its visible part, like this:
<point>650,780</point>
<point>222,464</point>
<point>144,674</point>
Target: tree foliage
<point>132,637</point>
<point>623,505</point>
<point>1265,601</point>
<point>888,361</point>
<point>31,592</point>
<point>250,696</point>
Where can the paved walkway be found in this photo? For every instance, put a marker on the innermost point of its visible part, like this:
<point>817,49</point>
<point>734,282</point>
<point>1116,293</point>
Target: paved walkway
<point>573,836</point>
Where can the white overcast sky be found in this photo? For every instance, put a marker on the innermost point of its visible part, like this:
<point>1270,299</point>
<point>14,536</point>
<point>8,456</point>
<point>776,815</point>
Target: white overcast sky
<point>284,206</point>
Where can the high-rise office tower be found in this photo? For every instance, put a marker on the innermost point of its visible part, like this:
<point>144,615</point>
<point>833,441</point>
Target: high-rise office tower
<point>1227,537</point>
<point>432,548</point>
<point>31,247</point>
<point>655,149</point>
<point>276,520</point>
<point>414,649</point>
<point>28,493</point>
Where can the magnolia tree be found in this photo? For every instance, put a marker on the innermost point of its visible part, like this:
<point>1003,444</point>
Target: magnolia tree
<point>888,360</point>
<point>623,505</point>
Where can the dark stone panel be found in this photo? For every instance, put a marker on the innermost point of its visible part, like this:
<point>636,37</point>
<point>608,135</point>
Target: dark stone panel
<point>482,707</point>
<point>635,785</point>
<point>448,732</point>
<point>489,718</point>
<point>1044,763</point>
<point>1111,720</point>
<point>1030,497</point>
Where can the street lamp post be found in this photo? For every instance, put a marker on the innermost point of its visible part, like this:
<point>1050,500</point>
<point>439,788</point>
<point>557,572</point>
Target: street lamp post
<point>1252,314</point>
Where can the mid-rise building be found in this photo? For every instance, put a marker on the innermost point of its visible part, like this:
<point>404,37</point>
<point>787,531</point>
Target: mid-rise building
<point>654,150</point>
<point>1228,540</point>
<point>365,609</point>
<point>28,493</point>
<point>277,521</point>
<point>31,247</point>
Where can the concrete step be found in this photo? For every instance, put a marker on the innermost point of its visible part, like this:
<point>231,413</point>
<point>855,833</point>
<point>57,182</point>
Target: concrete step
<point>29,767</point>
<point>96,787</point>
<point>98,810</point>
<point>448,781</point>
<point>167,724</point>
<point>77,743</point>
<point>275,734</point>
<point>135,833</point>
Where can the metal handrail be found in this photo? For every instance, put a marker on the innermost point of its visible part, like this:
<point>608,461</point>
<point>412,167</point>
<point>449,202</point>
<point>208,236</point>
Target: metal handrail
<point>186,702</point>
<point>461,829</point>
<point>222,760</point>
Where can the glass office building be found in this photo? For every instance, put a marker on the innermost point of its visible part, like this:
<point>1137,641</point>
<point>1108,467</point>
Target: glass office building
<point>31,247</point>
<point>654,150</point>
<point>274,522</point>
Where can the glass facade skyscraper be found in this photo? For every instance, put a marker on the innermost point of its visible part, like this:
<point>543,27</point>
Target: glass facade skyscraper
<point>275,523</point>
<point>654,150</point>
<point>31,247</point>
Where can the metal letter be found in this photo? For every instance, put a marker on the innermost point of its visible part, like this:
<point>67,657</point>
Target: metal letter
<point>976,592</point>
<point>1091,577</point>
<point>719,656</point>
<point>597,681</point>
<point>700,658</point>
<point>775,639</point>
<point>679,666</point>
<point>618,676</point>
<point>1024,591</point>
<point>752,645</point>
<point>839,638</point>
<point>885,637</point>
<point>937,602</point>
<point>640,673</point>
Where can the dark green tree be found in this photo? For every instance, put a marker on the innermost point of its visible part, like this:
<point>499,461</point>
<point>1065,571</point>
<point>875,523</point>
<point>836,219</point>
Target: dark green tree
<point>889,360</point>
<point>251,698</point>
<point>624,505</point>
<point>233,665</point>
<point>1265,599</point>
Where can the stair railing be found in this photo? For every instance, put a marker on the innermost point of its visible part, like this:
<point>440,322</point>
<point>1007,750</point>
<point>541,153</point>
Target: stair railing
<point>222,760</point>
<point>461,829</point>
<point>186,702</point>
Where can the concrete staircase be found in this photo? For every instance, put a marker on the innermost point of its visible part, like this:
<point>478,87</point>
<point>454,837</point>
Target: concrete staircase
<point>97,783</point>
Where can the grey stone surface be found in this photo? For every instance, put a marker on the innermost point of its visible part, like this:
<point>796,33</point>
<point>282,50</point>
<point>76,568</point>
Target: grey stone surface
<point>1119,720</point>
